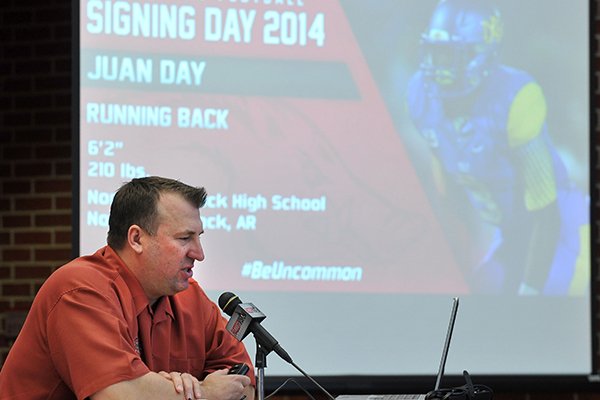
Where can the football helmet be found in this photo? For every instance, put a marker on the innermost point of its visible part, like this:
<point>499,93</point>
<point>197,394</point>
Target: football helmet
<point>460,46</point>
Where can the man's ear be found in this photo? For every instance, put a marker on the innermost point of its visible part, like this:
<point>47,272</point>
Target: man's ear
<point>134,238</point>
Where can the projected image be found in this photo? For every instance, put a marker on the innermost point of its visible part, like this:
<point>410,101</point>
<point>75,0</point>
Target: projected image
<point>501,163</point>
<point>499,180</point>
<point>493,160</point>
<point>345,146</point>
<point>365,162</point>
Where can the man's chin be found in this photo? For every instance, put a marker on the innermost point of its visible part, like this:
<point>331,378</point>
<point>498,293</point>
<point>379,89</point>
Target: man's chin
<point>182,286</point>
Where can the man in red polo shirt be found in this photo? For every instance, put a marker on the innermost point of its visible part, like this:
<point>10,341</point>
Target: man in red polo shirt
<point>129,321</point>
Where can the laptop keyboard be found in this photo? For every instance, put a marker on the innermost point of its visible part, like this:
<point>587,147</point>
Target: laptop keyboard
<point>396,397</point>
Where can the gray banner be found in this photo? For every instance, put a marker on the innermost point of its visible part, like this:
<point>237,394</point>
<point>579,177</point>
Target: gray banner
<point>217,75</point>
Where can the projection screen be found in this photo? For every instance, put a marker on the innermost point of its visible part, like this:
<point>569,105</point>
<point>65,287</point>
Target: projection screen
<point>366,161</point>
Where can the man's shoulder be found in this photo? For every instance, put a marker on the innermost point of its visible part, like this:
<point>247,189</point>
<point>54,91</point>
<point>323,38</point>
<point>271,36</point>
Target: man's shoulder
<point>508,78</point>
<point>91,272</point>
<point>90,269</point>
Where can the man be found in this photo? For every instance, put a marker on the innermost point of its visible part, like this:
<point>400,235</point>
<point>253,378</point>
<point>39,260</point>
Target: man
<point>129,322</point>
<point>494,167</point>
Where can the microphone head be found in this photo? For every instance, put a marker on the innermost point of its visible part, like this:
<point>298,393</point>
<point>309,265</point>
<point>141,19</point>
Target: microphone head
<point>228,302</point>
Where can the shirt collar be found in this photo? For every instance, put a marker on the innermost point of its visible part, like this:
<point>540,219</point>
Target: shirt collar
<point>140,300</point>
<point>163,309</point>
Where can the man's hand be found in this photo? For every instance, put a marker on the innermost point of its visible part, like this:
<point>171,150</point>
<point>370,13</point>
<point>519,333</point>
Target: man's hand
<point>219,385</point>
<point>152,386</point>
<point>184,383</point>
<point>174,386</point>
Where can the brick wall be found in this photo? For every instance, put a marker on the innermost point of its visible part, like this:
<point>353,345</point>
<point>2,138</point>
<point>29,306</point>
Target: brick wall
<point>35,157</point>
<point>35,166</point>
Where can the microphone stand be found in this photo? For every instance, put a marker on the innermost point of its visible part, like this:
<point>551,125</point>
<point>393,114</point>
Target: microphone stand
<point>245,317</point>
<point>261,364</point>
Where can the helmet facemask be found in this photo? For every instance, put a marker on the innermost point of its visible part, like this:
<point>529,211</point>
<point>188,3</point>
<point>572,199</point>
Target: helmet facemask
<point>460,47</point>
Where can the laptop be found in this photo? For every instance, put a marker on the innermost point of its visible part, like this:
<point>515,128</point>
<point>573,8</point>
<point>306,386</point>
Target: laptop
<point>440,373</point>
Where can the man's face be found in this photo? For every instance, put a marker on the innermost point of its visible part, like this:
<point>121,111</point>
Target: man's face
<point>168,256</point>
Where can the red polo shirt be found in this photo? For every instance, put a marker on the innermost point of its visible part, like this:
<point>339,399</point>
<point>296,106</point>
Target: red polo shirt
<point>91,326</point>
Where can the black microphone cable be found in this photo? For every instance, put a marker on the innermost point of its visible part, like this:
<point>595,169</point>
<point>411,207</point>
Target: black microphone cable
<point>285,383</point>
<point>228,303</point>
<point>313,381</point>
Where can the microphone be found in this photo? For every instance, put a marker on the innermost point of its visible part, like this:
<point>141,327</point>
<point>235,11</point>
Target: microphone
<point>246,318</point>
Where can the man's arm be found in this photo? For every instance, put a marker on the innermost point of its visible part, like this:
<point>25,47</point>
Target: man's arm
<point>149,386</point>
<point>163,386</point>
<point>533,158</point>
